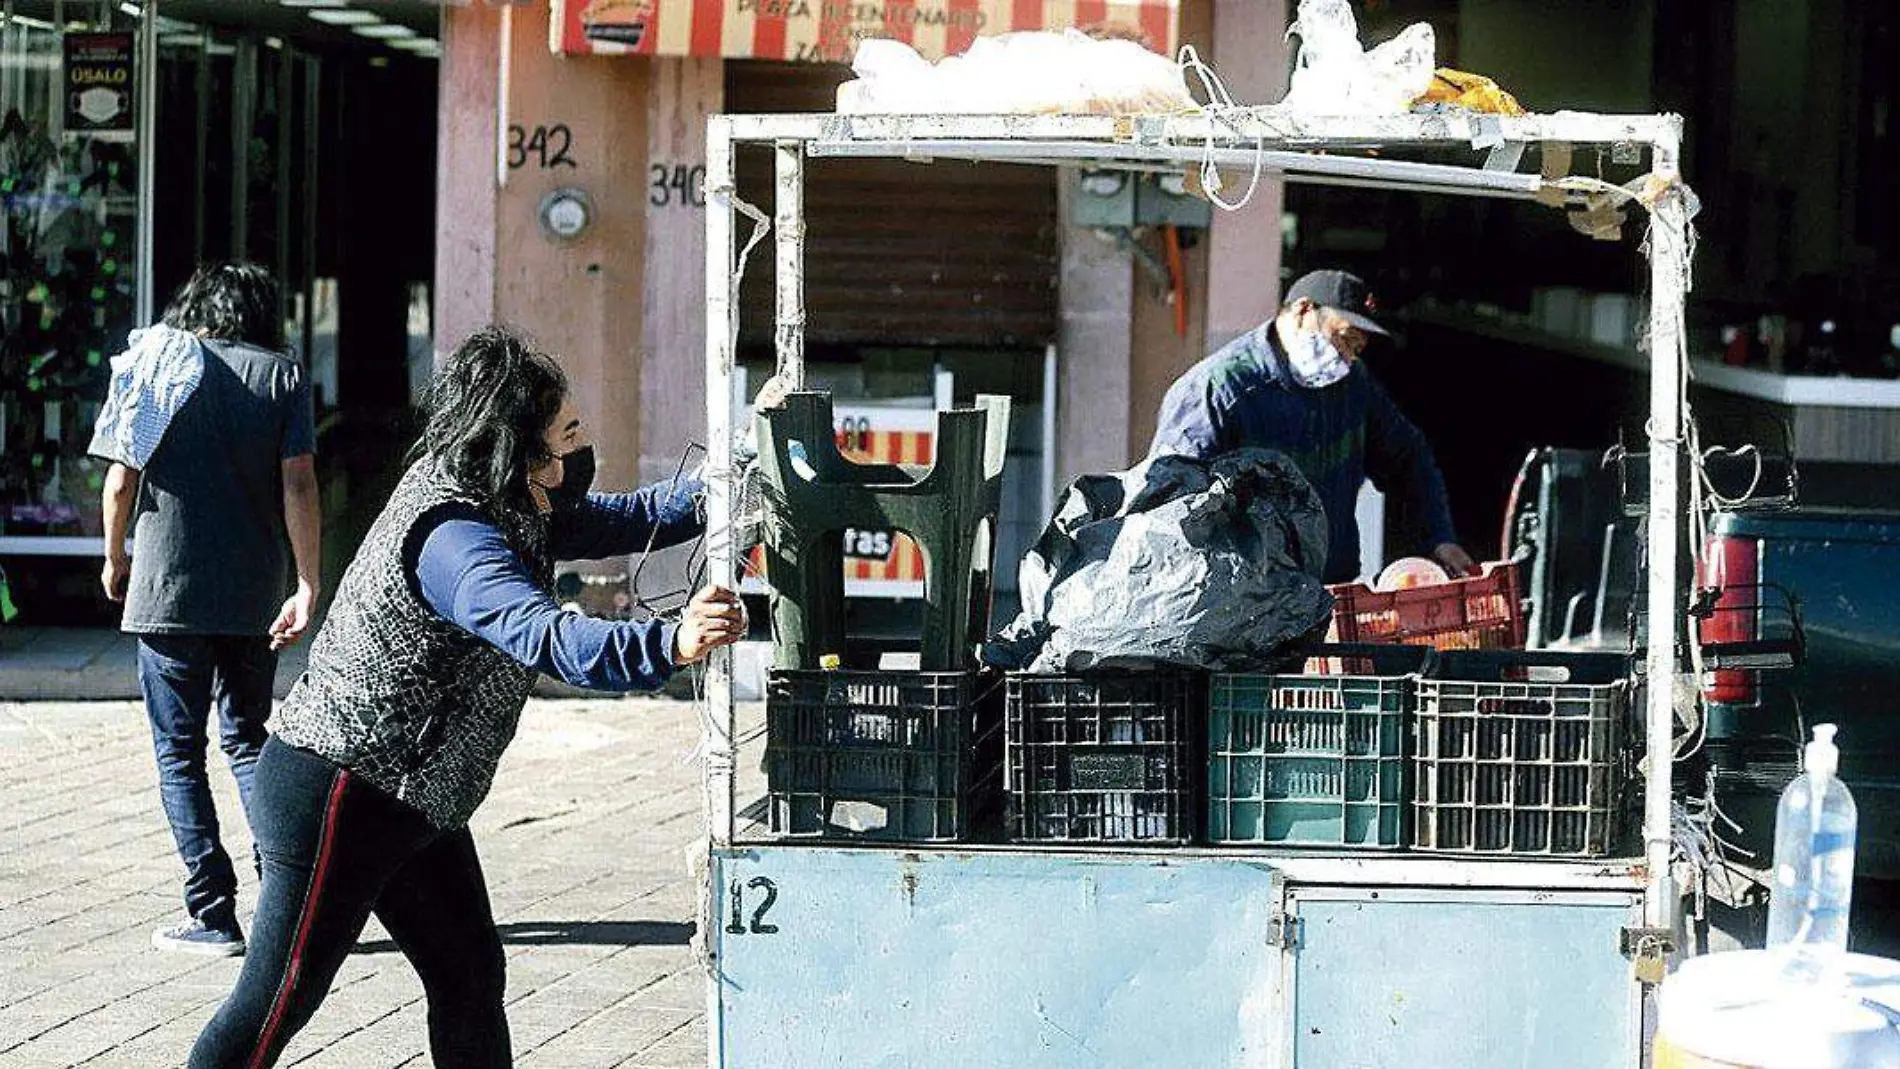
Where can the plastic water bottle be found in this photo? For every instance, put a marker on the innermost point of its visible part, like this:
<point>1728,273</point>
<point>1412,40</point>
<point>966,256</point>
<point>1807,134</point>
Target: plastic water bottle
<point>1815,829</point>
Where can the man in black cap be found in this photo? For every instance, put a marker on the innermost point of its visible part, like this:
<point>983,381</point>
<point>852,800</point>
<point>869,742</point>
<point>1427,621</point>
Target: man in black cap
<point>1295,384</point>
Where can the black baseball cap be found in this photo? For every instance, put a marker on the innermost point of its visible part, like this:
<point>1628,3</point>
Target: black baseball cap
<point>1343,292</point>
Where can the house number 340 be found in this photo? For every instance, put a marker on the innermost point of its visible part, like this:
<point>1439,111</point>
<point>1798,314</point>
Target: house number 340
<point>677,184</point>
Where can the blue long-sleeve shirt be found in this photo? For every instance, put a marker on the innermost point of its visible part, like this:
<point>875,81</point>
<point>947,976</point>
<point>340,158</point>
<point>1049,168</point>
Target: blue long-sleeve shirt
<point>467,573</point>
<point>1338,436</point>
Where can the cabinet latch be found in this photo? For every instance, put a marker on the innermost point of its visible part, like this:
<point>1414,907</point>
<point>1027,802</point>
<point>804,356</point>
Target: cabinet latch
<point>1283,931</point>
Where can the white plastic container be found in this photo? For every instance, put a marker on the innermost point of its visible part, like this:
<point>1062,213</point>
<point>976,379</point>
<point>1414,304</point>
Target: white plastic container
<point>1743,1010</point>
<point>1815,830</point>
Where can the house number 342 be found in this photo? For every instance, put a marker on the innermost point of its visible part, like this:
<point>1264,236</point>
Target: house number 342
<point>547,146</point>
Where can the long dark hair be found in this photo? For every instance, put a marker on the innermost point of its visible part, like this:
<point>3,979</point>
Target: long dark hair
<point>488,412</point>
<point>231,302</point>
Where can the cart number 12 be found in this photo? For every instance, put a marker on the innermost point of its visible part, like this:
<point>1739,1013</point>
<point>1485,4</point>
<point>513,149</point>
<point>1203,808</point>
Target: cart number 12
<point>768,895</point>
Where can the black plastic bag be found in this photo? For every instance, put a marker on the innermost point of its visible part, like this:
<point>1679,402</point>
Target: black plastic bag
<point>1178,561</point>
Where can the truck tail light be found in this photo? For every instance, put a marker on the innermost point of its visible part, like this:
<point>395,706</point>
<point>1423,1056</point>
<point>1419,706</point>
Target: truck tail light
<point>1731,566</point>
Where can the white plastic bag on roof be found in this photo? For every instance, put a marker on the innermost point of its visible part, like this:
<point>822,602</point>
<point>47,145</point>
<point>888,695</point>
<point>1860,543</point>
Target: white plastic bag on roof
<point>1016,73</point>
<point>1335,76</point>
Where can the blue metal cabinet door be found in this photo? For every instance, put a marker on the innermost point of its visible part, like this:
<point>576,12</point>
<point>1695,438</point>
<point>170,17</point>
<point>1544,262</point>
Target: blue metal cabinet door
<point>877,959</point>
<point>1462,979</point>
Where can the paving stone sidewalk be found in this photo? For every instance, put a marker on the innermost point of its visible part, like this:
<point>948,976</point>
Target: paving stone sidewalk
<point>584,841</point>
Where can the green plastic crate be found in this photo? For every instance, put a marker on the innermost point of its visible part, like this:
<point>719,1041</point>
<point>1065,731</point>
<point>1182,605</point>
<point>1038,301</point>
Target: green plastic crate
<point>1308,760</point>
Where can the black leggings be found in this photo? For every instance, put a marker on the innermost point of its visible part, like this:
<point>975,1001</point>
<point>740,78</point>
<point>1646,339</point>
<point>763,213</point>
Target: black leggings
<point>336,850</point>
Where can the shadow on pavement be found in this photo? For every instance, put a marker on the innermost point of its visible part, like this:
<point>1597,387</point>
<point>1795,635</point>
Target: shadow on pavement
<point>574,933</point>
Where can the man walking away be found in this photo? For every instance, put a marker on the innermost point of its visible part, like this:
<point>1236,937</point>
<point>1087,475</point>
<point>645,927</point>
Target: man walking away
<point>208,429</point>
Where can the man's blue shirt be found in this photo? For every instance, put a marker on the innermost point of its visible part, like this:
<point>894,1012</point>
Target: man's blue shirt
<point>1339,436</point>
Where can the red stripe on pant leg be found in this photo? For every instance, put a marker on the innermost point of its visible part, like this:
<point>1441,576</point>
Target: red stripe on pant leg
<point>294,965</point>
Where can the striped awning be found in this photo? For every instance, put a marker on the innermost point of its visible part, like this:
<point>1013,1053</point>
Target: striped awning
<point>826,31</point>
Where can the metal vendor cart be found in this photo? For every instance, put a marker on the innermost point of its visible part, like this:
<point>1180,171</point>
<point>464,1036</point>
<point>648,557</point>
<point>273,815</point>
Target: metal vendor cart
<point>822,954</point>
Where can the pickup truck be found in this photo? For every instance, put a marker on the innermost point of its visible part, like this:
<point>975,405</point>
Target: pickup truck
<point>1842,569</point>
<point>1834,569</point>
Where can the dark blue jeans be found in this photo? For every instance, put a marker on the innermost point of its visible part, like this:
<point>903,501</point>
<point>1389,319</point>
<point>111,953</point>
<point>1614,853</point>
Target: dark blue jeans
<point>182,677</point>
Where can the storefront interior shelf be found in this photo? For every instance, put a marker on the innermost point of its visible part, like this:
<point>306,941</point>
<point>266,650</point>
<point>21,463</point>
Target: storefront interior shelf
<point>1791,390</point>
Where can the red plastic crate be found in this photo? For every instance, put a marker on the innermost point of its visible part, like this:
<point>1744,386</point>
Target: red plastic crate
<point>1483,612</point>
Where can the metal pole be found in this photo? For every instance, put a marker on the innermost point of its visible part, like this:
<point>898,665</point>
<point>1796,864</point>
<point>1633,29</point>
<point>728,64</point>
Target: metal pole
<point>504,94</point>
<point>56,114</point>
<point>716,725</point>
<point>201,161</point>
<point>307,236</point>
<point>10,92</point>
<point>788,230</point>
<point>1668,260</point>
<point>286,72</point>
<point>1302,167</point>
<point>146,73</point>
<point>243,122</point>
<point>722,564</point>
<point>1051,385</point>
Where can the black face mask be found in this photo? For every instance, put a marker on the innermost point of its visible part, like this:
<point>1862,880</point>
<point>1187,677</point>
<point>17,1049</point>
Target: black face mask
<point>577,477</point>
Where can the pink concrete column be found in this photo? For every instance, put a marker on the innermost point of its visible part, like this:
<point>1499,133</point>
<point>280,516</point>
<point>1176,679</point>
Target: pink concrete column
<point>1250,53</point>
<point>465,173</point>
<point>576,122</point>
<point>684,92</point>
<point>1160,353</point>
<point>1094,348</point>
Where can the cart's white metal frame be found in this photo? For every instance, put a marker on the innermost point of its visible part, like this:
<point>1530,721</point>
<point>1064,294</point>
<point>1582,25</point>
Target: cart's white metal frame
<point>1244,138</point>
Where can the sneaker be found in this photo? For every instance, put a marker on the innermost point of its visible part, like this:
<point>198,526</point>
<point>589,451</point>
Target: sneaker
<point>193,937</point>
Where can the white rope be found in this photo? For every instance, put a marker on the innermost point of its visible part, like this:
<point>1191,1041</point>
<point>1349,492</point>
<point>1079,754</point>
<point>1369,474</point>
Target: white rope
<point>761,226</point>
<point>1691,440</point>
<point>1219,105</point>
<point>721,757</point>
<point>1715,495</point>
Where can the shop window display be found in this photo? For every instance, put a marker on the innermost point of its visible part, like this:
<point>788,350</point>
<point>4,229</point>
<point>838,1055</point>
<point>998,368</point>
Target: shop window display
<point>68,288</point>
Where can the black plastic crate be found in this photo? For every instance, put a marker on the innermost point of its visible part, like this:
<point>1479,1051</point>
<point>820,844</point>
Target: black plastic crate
<point>878,755</point>
<point>1103,758</point>
<point>1520,754</point>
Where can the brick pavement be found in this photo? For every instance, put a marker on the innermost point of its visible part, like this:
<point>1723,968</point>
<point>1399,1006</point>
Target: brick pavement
<point>585,843</point>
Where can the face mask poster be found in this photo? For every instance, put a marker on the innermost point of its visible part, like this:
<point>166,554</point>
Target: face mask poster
<point>99,86</point>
